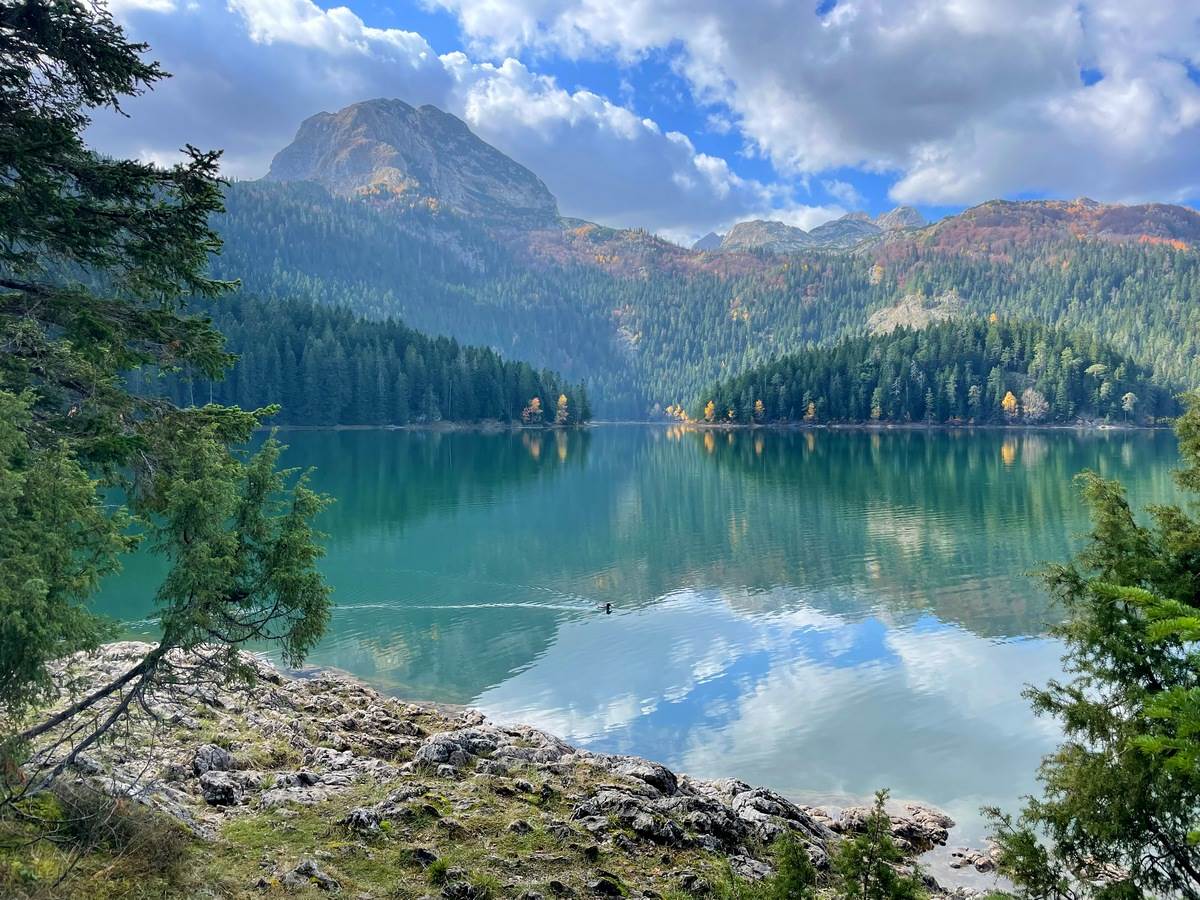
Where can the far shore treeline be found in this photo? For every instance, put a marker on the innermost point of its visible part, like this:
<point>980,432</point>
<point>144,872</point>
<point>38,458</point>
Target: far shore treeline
<point>327,366</point>
<point>978,371</point>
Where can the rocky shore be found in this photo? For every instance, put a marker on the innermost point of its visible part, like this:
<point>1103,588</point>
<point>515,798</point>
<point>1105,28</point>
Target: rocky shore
<point>320,784</point>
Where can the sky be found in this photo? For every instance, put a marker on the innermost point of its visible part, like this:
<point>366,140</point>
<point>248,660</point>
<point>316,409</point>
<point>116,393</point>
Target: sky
<point>685,116</point>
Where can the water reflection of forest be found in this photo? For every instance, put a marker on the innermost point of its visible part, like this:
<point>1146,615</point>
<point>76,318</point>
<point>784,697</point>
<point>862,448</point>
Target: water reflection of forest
<point>892,525</point>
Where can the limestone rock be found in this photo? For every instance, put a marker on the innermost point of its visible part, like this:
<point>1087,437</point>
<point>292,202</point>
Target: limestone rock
<point>211,758</point>
<point>918,828</point>
<point>308,873</point>
<point>221,789</point>
<point>361,821</point>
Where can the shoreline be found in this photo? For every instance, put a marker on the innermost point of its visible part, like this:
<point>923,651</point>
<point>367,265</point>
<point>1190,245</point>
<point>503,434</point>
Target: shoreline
<point>360,769</point>
<point>496,427</point>
<point>487,426</point>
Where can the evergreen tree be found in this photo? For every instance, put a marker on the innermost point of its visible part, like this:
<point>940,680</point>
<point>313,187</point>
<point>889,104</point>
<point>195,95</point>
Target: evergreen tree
<point>353,371</point>
<point>1119,814</point>
<point>867,864</point>
<point>95,256</point>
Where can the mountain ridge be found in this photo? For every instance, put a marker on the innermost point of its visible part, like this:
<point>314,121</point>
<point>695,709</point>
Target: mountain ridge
<point>843,233</point>
<point>386,151</point>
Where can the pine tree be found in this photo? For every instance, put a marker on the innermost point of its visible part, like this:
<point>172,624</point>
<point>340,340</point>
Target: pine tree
<point>137,237</point>
<point>1119,814</point>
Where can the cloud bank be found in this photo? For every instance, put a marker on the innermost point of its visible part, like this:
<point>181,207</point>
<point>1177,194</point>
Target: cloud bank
<point>962,100</point>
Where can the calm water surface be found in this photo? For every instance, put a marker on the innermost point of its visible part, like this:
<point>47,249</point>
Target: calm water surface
<point>824,613</point>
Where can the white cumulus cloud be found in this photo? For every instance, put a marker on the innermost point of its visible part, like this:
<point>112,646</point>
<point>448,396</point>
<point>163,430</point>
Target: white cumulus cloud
<point>962,99</point>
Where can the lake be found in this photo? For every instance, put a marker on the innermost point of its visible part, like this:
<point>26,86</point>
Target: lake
<point>821,612</point>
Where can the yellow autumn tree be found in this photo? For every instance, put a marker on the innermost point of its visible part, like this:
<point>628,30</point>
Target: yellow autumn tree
<point>532,414</point>
<point>561,414</point>
<point>810,414</point>
<point>1009,404</point>
<point>710,411</point>
<point>759,409</point>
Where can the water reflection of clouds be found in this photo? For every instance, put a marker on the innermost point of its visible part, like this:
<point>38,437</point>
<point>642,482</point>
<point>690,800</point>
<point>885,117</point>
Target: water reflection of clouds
<point>822,707</point>
<point>912,531</point>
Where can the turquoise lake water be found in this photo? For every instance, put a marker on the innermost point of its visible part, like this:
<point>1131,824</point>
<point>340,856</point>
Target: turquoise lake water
<point>821,612</point>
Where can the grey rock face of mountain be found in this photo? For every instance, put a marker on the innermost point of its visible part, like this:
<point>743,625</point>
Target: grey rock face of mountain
<point>900,217</point>
<point>916,311</point>
<point>849,230</point>
<point>391,149</point>
<point>773,237</point>
<point>841,234</point>
<point>710,241</point>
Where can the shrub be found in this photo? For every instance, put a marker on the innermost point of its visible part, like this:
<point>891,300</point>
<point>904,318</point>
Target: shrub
<point>92,820</point>
<point>795,876</point>
<point>868,863</point>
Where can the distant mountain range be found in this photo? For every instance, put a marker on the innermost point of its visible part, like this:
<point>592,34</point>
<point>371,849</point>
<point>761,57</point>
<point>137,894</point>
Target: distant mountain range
<point>849,231</point>
<point>395,210</point>
<point>390,153</point>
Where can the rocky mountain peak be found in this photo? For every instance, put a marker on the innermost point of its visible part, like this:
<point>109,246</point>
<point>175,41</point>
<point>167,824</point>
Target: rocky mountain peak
<point>766,235</point>
<point>842,233</point>
<point>710,241</point>
<point>900,217</point>
<point>391,150</point>
<point>846,232</point>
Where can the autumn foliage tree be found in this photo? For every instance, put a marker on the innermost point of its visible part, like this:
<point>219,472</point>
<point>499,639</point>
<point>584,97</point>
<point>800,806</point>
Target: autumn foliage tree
<point>1034,405</point>
<point>1009,405</point>
<point>533,414</point>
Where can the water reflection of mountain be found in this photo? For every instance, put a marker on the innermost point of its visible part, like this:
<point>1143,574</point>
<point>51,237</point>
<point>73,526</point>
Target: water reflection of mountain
<point>892,524</point>
<point>888,523</point>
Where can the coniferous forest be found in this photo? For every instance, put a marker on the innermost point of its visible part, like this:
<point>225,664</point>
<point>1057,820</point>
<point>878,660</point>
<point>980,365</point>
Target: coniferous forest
<point>327,366</point>
<point>965,371</point>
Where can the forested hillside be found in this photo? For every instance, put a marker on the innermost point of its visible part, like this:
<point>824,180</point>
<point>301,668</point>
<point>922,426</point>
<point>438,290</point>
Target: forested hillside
<point>993,371</point>
<point>436,272</point>
<point>649,325</point>
<point>327,366</point>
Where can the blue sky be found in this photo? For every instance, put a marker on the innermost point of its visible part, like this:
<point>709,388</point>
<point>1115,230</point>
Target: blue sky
<point>683,117</point>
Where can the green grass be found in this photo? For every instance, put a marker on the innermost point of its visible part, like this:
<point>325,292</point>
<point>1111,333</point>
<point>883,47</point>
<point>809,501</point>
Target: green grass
<point>261,845</point>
